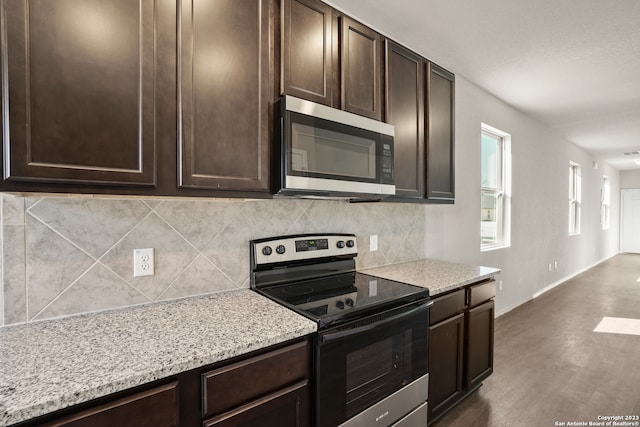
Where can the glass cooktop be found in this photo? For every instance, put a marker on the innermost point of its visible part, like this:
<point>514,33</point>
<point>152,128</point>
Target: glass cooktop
<point>340,297</point>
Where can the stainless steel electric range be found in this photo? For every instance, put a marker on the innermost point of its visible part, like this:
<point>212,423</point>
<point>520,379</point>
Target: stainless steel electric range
<point>371,349</point>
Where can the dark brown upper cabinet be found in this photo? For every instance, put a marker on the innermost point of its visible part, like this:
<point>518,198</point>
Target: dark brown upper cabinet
<point>79,91</point>
<point>440,174</point>
<point>307,50</point>
<point>225,93</point>
<point>330,58</point>
<point>404,89</point>
<point>361,59</point>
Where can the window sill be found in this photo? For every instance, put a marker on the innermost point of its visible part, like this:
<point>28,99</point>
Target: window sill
<point>494,247</point>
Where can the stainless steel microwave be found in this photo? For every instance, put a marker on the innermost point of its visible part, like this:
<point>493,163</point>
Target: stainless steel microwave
<point>324,152</point>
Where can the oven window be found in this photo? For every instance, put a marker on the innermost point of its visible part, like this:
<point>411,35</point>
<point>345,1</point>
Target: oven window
<point>323,151</point>
<point>372,369</point>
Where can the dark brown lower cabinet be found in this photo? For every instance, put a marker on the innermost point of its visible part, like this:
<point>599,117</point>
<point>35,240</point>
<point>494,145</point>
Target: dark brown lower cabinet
<point>460,345</point>
<point>156,407</point>
<point>267,388</point>
<point>480,322</point>
<point>270,389</point>
<point>446,352</point>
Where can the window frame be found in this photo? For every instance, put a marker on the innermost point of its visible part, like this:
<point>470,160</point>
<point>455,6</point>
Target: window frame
<point>502,191</point>
<point>575,198</point>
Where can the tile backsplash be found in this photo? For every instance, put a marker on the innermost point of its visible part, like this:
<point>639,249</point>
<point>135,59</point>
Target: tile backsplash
<point>74,254</point>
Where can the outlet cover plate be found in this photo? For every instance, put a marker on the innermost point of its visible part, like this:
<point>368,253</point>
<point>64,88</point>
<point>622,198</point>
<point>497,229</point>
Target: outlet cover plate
<point>373,242</point>
<point>143,262</point>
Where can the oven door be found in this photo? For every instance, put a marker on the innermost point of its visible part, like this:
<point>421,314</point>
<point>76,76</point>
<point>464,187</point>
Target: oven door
<point>365,362</point>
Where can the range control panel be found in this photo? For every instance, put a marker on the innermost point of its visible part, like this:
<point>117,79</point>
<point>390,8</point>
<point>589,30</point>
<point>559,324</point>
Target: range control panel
<point>302,247</point>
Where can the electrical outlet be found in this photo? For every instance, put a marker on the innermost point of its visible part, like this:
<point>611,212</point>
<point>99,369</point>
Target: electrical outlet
<point>373,242</point>
<point>143,262</point>
<point>500,285</point>
<point>555,263</point>
<point>549,266</point>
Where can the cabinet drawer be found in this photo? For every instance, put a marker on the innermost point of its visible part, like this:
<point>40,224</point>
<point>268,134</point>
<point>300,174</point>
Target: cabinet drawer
<point>236,384</point>
<point>284,408</point>
<point>446,306</point>
<point>157,407</point>
<point>482,292</point>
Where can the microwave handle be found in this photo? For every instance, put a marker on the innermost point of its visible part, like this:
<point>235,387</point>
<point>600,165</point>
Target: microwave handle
<point>327,338</point>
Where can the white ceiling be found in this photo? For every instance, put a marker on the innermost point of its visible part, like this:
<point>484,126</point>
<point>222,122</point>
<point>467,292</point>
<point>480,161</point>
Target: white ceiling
<point>573,65</point>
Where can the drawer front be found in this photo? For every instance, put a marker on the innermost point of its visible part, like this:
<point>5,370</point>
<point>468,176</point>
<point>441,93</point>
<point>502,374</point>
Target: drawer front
<point>481,293</point>
<point>157,407</point>
<point>447,306</point>
<point>239,383</point>
<point>288,407</point>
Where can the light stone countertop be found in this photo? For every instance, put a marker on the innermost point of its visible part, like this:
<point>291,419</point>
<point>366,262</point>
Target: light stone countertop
<point>50,365</point>
<point>437,276</point>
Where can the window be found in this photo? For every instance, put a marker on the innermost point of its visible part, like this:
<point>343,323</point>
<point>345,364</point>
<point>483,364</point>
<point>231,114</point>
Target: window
<point>605,210</point>
<point>574,198</point>
<point>495,183</point>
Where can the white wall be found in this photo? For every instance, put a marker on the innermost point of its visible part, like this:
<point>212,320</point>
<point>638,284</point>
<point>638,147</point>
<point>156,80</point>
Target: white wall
<point>629,179</point>
<point>539,233</point>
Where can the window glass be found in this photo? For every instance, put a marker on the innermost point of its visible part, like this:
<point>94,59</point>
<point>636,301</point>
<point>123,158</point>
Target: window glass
<point>574,198</point>
<point>494,195</point>
<point>605,213</point>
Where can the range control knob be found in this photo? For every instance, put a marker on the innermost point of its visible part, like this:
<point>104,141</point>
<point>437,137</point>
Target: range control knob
<point>267,250</point>
<point>340,244</point>
<point>281,249</point>
<point>340,304</point>
<point>350,243</point>
<point>349,302</point>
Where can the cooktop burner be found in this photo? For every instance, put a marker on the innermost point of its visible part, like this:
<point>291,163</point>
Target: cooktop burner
<point>315,276</point>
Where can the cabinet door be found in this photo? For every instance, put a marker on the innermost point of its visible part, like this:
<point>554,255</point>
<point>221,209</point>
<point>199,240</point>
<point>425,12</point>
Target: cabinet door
<point>446,353</point>
<point>479,363</point>
<point>440,135</point>
<point>157,407</point>
<point>361,56</point>
<point>404,95</point>
<point>224,94</point>
<point>288,407</point>
<point>307,60</point>
<point>79,91</point>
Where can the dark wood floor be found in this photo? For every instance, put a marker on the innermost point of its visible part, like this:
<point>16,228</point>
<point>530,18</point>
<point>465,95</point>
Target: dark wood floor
<point>550,366</point>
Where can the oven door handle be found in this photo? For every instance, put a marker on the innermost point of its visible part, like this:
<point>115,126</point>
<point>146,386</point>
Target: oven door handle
<point>327,338</point>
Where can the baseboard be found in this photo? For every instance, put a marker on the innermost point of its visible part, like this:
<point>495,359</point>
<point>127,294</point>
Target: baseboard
<point>551,286</point>
<point>564,279</point>
<point>508,309</point>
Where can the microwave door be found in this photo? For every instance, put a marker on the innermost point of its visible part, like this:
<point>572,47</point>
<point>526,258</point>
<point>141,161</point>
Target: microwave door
<point>327,157</point>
